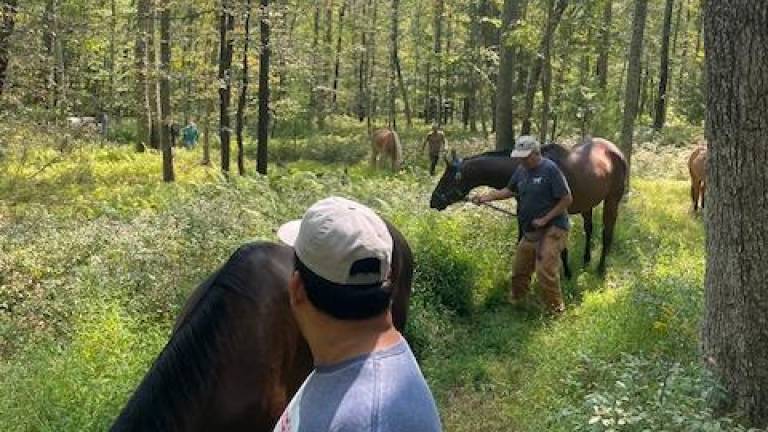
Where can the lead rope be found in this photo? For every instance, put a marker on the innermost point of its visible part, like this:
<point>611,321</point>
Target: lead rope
<point>494,207</point>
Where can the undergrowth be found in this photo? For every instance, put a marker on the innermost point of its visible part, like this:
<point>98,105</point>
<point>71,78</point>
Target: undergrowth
<point>98,257</point>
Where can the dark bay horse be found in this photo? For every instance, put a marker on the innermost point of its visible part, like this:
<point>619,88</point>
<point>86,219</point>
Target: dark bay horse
<point>595,169</point>
<point>236,356</point>
<point>385,143</point>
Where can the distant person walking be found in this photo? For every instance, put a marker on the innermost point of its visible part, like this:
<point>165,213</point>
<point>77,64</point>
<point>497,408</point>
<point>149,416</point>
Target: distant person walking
<point>189,135</point>
<point>437,144</point>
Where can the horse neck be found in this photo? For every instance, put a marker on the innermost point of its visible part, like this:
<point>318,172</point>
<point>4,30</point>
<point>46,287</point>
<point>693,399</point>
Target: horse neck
<point>490,171</point>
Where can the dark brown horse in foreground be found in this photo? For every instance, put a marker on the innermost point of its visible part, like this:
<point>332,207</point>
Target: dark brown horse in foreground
<point>236,356</point>
<point>385,143</point>
<point>595,169</point>
<point>697,167</point>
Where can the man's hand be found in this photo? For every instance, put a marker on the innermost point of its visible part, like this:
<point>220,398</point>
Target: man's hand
<point>539,222</point>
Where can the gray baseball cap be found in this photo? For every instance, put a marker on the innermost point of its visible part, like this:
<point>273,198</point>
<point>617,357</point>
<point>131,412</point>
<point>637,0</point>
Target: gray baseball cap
<point>524,146</point>
<point>334,234</point>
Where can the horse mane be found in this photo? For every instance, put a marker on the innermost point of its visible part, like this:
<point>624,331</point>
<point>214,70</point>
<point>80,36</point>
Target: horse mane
<point>182,373</point>
<point>490,154</point>
<point>555,152</point>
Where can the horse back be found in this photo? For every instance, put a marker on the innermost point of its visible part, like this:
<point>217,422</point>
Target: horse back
<point>596,171</point>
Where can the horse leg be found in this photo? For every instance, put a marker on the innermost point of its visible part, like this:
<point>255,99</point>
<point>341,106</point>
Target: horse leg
<point>373,157</point>
<point>610,213</point>
<point>587,216</point>
<point>566,268</point>
<point>695,195</point>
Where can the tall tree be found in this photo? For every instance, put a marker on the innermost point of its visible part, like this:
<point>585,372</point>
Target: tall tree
<point>505,128</point>
<point>438,57</point>
<point>226,26</point>
<point>553,18</point>
<point>264,111</point>
<point>141,62</point>
<point>632,93</point>
<point>605,44</point>
<point>154,77</point>
<point>165,90</point>
<point>661,99</point>
<point>241,104</point>
<point>396,60</point>
<point>8,11</point>
<point>735,329</point>
<point>337,61</point>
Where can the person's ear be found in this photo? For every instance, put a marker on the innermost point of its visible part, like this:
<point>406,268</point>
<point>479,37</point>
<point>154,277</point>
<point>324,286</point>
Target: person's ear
<point>296,292</point>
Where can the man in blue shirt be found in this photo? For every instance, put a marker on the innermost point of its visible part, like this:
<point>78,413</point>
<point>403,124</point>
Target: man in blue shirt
<point>543,198</point>
<point>366,378</point>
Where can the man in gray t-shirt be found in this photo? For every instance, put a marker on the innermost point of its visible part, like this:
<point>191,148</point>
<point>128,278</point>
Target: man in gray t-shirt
<point>543,199</point>
<point>365,377</point>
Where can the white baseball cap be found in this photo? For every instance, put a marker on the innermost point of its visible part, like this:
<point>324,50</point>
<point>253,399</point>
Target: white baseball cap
<point>334,234</point>
<point>524,145</point>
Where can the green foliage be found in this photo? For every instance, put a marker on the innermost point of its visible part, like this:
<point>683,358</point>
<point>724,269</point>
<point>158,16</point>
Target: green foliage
<point>641,394</point>
<point>98,257</point>
<point>444,266</point>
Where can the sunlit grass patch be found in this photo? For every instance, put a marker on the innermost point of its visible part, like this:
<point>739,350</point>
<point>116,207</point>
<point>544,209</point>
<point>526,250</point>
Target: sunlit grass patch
<point>79,386</point>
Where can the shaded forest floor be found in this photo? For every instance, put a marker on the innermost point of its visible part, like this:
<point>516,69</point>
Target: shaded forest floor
<point>97,257</point>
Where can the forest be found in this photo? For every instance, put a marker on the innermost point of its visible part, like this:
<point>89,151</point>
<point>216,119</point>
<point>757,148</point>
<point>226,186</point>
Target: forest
<point>142,142</point>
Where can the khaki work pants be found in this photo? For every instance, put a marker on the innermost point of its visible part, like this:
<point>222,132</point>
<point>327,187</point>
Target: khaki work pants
<point>542,256</point>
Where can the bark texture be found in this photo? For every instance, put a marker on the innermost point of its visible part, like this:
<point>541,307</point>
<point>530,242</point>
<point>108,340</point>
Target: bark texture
<point>735,329</point>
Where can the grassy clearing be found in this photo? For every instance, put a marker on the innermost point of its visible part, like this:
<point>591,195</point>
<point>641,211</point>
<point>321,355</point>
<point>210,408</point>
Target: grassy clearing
<point>98,256</point>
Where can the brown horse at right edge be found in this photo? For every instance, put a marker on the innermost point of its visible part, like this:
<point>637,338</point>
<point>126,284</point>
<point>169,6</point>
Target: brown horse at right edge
<point>595,170</point>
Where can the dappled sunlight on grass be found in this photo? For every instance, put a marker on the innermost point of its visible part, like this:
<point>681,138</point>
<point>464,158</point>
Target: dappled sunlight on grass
<point>100,255</point>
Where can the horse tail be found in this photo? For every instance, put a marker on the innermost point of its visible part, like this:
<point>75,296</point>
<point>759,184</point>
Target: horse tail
<point>622,168</point>
<point>398,149</point>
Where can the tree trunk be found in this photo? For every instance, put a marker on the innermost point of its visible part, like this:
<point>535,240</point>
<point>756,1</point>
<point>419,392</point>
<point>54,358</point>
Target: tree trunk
<point>165,90</point>
<point>314,103</point>
<point>546,72</point>
<point>143,109</point>
<point>154,77</point>
<point>396,60</point>
<point>8,22</point>
<point>371,65</point>
<point>226,26</point>
<point>393,54</point>
<point>605,45</point>
<point>52,43</point>
<point>505,128</point>
<point>633,79</point>
<point>735,327</point>
<point>438,57</point>
<point>264,114</point>
<point>207,132</point>
<point>553,19</point>
<point>112,59</point>
<point>337,62</point>
<point>661,101</point>
<point>243,92</point>
<point>683,63</point>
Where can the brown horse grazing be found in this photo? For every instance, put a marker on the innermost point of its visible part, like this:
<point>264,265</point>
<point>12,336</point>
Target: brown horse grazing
<point>385,143</point>
<point>236,356</point>
<point>697,167</point>
<point>595,169</point>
